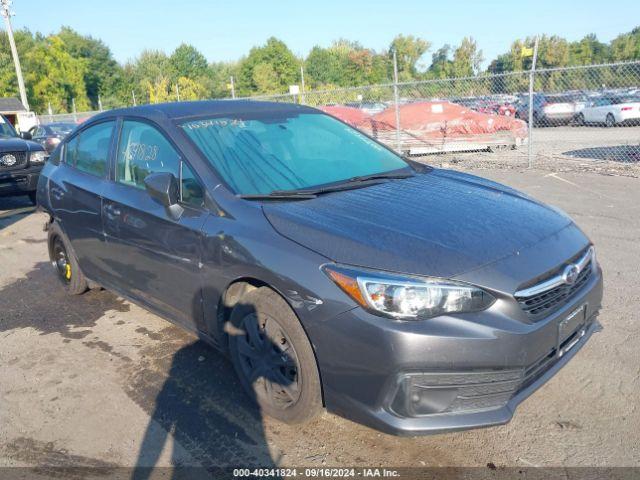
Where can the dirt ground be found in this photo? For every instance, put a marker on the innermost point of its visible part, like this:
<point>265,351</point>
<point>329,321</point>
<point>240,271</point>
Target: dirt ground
<point>97,382</point>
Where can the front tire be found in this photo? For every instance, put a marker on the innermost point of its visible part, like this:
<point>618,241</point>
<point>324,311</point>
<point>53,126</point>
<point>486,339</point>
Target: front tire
<point>32,197</point>
<point>65,263</point>
<point>273,358</point>
<point>610,121</point>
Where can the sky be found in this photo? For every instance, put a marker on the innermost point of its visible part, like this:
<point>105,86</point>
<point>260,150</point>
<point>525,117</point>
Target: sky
<point>226,30</point>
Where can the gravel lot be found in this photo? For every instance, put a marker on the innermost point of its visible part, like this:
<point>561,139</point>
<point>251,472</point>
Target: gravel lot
<point>95,381</point>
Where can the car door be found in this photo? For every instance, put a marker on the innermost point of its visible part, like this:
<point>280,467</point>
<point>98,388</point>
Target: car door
<point>153,255</point>
<point>75,190</point>
<point>602,110</point>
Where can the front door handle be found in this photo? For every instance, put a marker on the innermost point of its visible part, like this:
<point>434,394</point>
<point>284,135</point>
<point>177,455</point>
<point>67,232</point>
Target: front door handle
<point>57,193</point>
<point>112,210</point>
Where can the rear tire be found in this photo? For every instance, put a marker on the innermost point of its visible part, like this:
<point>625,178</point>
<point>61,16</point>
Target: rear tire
<point>273,358</point>
<point>32,197</point>
<point>65,263</point>
<point>610,120</point>
<point>580,120</point>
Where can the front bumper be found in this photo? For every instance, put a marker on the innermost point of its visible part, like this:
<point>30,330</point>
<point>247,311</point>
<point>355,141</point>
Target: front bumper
<point>19,182</point>
<point>458,373</point>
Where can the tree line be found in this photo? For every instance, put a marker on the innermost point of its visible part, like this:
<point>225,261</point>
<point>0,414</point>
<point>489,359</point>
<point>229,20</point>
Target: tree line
<point>68,67</point>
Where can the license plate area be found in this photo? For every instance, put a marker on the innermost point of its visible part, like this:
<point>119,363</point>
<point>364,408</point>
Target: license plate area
<point>571,329</point>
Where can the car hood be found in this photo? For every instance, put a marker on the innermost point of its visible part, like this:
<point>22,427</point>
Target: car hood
<point>440,223</point>
<point>18,145</point>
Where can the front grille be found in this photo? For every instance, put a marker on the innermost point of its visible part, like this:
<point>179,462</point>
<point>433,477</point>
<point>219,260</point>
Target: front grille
<point>539,305</point>
<point>20,161</point>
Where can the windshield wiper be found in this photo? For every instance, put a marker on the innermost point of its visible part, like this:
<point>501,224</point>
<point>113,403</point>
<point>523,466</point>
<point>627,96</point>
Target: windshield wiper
<point>279,195</point>
<point>349,184</point>
<point>381,176</point>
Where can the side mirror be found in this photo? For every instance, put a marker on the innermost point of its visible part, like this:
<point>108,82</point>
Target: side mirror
<point>25,135</point>
<point>163,188</point>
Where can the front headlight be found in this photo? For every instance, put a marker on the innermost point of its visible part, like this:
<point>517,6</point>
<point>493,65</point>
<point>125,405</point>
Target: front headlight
<point>407,297</point>
<point>38,156</point>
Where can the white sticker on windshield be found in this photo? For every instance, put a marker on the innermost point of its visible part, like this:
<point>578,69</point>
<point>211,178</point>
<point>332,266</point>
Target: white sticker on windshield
<point>2,119</point>
<point>216,122</point>
<point>437,108</point>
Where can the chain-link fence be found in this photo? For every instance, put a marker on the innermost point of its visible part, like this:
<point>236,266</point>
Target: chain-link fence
<point>588,115</point>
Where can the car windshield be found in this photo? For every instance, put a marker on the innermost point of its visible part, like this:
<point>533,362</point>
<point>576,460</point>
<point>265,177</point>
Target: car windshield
<point>6,129</point>
<point>261,153</point>
<point>61,129</point>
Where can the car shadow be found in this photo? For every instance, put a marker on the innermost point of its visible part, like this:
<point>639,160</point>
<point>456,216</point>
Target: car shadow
<point>195,403</point>
<point>13,209</point>
<point>50,309</point>
<point>194,396</point>
<point>618,153</point>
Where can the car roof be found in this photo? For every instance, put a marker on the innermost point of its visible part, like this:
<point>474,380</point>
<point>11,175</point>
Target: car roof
<point>186,110</point>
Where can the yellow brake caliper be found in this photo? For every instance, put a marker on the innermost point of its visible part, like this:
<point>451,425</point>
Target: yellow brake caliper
<point>67,271</point>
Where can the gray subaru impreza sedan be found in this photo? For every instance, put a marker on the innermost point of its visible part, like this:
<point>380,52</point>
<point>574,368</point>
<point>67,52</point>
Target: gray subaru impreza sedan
<point>333,272</point>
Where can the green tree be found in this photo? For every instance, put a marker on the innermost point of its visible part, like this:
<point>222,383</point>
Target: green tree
<point>149,74</point>
<point>588,51</point>
<point>191,89</point>
<point>345,64</point>
<point>101,66</point>
<point>265,78</point>
<point>25,41</point>
<point>626,47</point>
<point>217,80</point>
<point>53,75</point>
<point>187,61</point>
<point>323,67</point>
<point>409,51</point>
<point>275,53</point>
<point>466,59</point>
<point>440,63</point>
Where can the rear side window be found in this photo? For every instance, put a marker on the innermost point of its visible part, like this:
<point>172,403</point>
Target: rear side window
<point>89,151</point>
<point>144,150</point>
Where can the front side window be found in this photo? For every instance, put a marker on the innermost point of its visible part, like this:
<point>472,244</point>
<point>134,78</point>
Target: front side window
<point>143,150</point>
<point>264,152</point>
<point>6,129</point>
<point>90,149</point>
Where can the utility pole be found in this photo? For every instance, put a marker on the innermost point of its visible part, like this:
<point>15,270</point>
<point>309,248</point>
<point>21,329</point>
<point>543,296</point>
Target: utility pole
<point>99,103</point>
<point>5,11</point>
<point>302,83</point>
<point>233,88</point>
<point>133,95</point>
<point>531,84</point>
<point>396,100</point>
<point>177,91</point>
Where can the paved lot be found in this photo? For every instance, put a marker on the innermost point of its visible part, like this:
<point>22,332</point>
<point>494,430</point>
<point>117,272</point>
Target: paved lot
<point>561,149</point>
<point>96,381</point>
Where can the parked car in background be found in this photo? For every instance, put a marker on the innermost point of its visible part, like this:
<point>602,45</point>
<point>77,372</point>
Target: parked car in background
<point>333,271</point>
<point>49,135</point>
<point>611,111</point>
<point>20,162</point>
<point>558,109</point>
<point>490,104</point>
